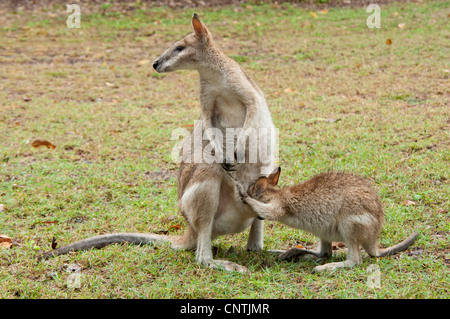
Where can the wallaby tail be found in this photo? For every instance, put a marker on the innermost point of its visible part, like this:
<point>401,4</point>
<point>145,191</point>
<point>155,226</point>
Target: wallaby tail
<point>104,240</point>
<point>399,247</point>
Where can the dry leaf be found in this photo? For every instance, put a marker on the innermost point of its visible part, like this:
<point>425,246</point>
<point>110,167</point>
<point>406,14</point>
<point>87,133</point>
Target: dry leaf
<point>299,246</point>
<point>5,242</point>
<point>388,41</point>
<point>401,25</point>
<point>288,90</point>
<point>26,99</point>
<point>324,11</point>
<point>313,14</point>
<point>408,202</point>
<point>175,227</point>
<point>37,143</point>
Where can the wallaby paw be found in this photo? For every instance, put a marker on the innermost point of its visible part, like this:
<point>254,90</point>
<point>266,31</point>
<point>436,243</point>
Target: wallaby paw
<point>227,266</point>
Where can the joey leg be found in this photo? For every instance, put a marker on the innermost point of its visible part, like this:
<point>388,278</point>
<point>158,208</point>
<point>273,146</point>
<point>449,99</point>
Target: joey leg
<point>353,258</point>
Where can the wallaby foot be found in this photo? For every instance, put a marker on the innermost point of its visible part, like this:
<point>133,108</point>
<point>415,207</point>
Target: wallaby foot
<point>226,265</point>
<point>336,265</point>
<point>353,259</point>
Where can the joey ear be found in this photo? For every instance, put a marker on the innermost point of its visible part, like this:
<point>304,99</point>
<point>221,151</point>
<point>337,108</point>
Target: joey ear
<point>274,177</point>
<point>261,185</point>
<point>199,28</point>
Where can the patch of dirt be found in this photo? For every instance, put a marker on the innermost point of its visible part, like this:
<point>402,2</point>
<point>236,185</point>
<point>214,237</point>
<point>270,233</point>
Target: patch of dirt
<point>160,175</point>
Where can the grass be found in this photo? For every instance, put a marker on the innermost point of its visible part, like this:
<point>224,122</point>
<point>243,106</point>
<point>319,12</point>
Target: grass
<point>92,93</point>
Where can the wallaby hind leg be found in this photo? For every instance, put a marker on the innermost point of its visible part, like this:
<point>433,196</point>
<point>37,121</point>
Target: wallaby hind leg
<point>325,250</point>
<point>200,203</point>
<point>353,258</point>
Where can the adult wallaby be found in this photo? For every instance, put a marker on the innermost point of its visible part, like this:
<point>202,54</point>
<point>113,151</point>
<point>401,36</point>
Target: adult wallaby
<point>207,197</point>
<point>334,206</point>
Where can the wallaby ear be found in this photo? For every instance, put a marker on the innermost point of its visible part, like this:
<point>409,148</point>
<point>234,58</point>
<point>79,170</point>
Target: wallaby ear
<point>199,28</point>
<point>261,185</point>
<point>274,177</point>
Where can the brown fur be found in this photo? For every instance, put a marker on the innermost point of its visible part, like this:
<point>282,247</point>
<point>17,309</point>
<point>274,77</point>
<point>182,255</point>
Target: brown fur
<point>334,206</point>
<point>207,198</point>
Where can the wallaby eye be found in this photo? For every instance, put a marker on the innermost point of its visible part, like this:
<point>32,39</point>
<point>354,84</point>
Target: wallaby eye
<point>179,48</point>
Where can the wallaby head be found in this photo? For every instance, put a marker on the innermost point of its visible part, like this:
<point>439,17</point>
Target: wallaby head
<point>187,53</point>
<point>265,187</point>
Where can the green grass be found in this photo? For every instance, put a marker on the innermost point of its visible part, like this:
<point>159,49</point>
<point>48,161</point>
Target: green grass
<point>91,92</point>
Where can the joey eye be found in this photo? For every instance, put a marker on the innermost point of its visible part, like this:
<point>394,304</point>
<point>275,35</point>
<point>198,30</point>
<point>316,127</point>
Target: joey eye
<point>179,48</point>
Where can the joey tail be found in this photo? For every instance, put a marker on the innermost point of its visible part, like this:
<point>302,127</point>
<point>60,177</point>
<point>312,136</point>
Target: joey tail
<point>397,248</point>
<point>105,240</point>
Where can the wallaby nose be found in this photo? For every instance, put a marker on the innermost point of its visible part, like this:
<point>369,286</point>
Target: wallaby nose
<point>155,64</point>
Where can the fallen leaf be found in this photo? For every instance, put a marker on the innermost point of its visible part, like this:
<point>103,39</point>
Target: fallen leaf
<point>26,99</point>
<point>175,227</point>
<point>388,41</point>
<point>300,246</point>
<point>401,25</point>
<point>408,202</point>
<point>37,143</point>
<point>313,14</point>
<point>396,14</point>
<point>5,241</point>
<point>324,11</point>
<point>288,90</point>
